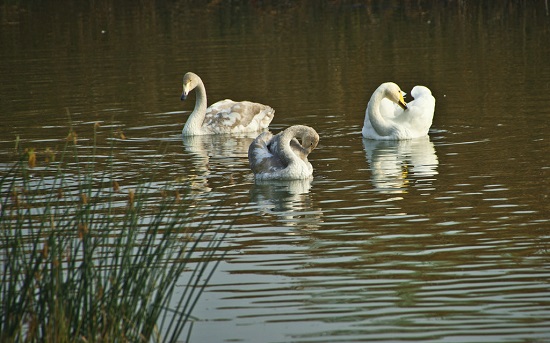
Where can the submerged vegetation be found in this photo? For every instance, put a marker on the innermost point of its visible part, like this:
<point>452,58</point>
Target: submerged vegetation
<point>84,261</point>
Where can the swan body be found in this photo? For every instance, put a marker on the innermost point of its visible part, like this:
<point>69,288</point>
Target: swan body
<point>283,156</point>
<point>388,117</point>
<point>223,117</point>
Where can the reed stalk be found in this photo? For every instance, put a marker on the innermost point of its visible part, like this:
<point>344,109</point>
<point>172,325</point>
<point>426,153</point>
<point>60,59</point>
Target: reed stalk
<point>84,263</point>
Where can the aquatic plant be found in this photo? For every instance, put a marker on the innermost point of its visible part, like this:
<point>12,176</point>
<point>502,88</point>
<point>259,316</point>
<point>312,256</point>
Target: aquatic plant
<point>84,261</point>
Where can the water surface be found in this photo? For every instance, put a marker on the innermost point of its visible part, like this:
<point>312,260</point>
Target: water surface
<point>438,239</point>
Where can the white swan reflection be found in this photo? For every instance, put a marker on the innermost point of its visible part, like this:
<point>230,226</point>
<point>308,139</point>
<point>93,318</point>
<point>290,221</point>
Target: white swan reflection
<point>393,163</point>
<point>207,146</point>
<point>221,154</point>
<point>289,201</point>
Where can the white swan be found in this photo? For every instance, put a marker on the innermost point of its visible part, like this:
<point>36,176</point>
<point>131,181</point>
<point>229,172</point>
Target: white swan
<point>388,117</point>
<point>226,116</point>
<point>283,156</point>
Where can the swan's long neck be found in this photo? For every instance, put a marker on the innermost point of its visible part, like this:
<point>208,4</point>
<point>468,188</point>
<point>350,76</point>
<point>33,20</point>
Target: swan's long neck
<point>288,153</point>
<point>382,126</point>
<point>196,118</point>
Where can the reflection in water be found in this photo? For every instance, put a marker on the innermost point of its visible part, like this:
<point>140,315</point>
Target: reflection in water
<point>212,155</point>
<point>468,256</point>
<point>392,163</point>
<point>288,200</point>
<point>227,146</point>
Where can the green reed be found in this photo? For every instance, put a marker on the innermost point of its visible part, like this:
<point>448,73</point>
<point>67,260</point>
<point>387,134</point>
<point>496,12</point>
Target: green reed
<point>83,261</point>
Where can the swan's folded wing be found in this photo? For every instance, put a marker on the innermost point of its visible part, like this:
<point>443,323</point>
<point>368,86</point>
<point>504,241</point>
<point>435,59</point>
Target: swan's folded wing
<point>421,113</point>
<point>261,159</point>
<point>254,115</point>
<point>233,117</point>
<point>423,104</point>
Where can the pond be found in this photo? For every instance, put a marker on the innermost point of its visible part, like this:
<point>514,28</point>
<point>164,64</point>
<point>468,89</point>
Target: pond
<point>437,239</point>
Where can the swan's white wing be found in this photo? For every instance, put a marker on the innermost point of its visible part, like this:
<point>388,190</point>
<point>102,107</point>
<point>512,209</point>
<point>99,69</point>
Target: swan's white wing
<point>420,112</point>
<point>228,116</point>
<point>423,106</point>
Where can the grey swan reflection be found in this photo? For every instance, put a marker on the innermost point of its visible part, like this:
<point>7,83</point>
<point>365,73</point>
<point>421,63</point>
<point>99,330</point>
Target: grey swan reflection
<point>223,117</point>
<point>288,201</point>
<point>283,156</point>
<point>388,117</point>
<point>394,163</point>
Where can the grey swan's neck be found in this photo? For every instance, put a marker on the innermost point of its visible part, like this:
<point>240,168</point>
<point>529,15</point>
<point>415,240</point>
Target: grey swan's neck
<point>291,151</point>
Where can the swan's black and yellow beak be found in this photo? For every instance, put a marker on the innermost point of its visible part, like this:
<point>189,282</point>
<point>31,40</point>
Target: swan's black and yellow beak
<point>402,102</point>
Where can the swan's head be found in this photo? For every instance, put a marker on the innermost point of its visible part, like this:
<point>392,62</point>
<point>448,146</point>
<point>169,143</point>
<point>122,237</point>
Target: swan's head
<point>310,141</point>
<point>305,140</point>
<point>394,93</point>
<point>190,81</point>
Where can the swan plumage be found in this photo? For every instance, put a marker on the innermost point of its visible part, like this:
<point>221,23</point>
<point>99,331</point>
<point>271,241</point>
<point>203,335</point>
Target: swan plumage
<point>222,117</point>
<point>388,117</point>
<point>283,156</point>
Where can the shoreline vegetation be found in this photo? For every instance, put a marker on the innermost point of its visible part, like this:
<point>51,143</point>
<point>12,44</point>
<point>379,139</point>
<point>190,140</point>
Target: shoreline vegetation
<point>85,262</point>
